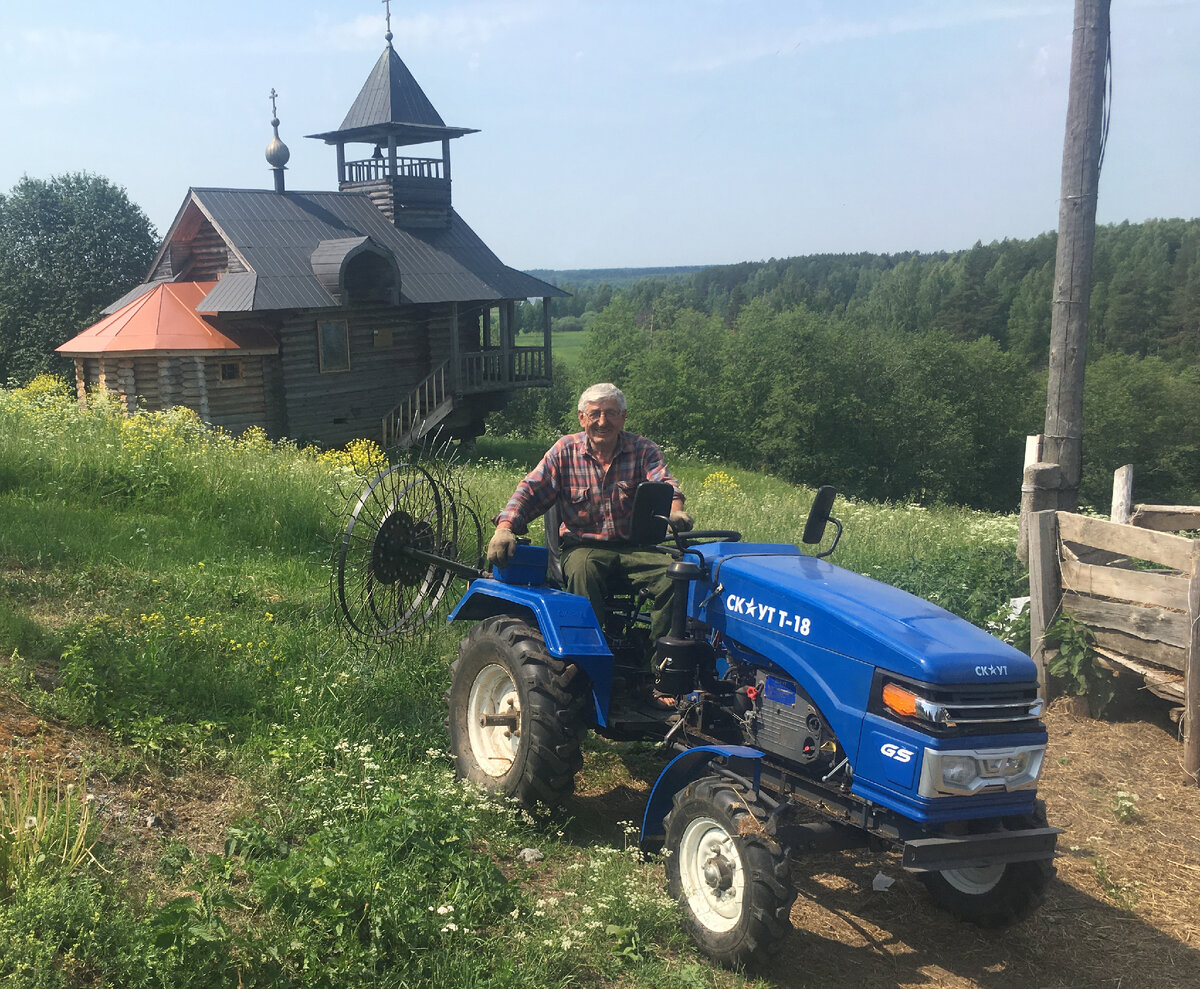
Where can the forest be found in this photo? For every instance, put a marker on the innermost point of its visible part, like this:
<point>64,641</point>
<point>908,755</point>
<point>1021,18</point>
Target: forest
<point>902,377</point>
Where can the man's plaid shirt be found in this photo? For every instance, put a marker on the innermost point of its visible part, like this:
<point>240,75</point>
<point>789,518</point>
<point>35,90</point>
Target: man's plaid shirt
<point>591,503</point>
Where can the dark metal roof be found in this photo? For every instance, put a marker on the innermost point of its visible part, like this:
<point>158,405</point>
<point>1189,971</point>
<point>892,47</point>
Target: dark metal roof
<point>276,234</point>
<point>391,102</point>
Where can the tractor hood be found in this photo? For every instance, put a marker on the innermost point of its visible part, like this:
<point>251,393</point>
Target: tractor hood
<point>760,593</point>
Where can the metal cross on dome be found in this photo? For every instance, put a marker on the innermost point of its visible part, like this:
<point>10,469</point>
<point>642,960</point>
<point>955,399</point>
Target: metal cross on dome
<point>273,95</point>
<point>388,6</point>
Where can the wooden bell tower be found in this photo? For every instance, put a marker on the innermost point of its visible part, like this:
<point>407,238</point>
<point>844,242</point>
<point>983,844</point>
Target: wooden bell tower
<point>390,113</point>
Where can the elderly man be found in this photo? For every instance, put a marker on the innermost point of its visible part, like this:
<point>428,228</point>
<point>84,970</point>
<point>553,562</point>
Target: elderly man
<point>591,477</point>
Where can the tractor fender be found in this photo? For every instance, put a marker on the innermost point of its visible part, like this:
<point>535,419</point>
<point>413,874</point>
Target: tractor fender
<point>566,621</point>
<point>682,770</point>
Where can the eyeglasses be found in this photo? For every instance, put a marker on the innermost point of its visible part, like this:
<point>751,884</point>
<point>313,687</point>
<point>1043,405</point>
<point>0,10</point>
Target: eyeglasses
<point>595,415</point>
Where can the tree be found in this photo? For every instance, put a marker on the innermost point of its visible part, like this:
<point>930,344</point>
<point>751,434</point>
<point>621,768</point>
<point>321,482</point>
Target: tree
<point>1142,412</point>
<point>69,246</point>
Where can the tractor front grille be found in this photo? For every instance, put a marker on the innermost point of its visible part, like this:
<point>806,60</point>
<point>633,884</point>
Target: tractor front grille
<point>967,709</point>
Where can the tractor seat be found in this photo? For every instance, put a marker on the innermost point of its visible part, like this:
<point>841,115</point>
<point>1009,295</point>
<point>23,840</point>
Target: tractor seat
<point>651,508</point>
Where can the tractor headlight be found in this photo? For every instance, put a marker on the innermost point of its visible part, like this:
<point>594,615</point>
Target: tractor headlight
<point>970,771</point>
<point>907,704</point>
<point>958,771</point>
<point>1005,767</point>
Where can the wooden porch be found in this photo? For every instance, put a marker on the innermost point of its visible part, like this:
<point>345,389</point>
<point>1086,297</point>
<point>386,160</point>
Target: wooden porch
<point>490,369</point>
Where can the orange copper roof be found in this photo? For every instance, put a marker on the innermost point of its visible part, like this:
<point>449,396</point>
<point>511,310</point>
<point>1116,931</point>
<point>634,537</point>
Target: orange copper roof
<point>164,318</point>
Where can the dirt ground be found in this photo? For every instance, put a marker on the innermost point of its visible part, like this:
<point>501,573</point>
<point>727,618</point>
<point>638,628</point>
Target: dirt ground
<point>139,811</point>
<point>1124,911</point>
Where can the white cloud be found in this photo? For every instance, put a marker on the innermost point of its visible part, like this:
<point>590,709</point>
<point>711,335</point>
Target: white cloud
<point>826,32</point>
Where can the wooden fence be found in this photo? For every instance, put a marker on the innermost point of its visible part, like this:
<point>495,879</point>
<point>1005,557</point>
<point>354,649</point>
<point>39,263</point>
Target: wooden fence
<point>1137,588</point>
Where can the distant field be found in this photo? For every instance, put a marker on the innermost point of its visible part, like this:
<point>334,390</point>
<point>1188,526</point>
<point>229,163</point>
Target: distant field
<point>566,346</point>
<point>615,277</point>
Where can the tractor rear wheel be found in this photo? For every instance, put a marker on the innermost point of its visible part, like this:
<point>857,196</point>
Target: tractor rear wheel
<point>515,713</point>
<point>730,877</point>
<point>994,895</point>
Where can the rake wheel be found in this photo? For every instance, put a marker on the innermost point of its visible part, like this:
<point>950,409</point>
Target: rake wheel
<point>409,534</point>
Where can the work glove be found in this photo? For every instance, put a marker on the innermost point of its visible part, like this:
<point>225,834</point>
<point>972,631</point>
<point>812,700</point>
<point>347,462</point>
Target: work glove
<point>681,521</point>
<point>502,546</point>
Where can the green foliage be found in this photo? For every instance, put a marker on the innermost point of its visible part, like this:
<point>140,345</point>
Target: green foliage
<point>1124,807</point>
<point>72,933</point>
<point>928,417</point>
<point>969,581</point>
<point>1141,411</point>
<point>69,246</point>
<point>1124,893</point>
<point>910,376</point>
<point>538,413</point>
<point>1075,666</point>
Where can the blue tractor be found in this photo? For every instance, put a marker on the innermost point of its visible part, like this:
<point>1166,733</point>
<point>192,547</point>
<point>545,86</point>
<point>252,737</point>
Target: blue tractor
<point>816,709</point>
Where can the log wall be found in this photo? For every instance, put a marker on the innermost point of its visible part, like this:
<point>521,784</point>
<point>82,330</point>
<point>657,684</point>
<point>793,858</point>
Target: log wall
<point>200,258</point>
<point>389,355</point>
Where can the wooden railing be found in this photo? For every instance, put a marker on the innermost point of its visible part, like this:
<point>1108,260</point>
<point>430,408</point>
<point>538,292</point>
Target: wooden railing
<point>421,402</point>
<point>374,169</point>
<point>489,369</point>
<point>481,371</point>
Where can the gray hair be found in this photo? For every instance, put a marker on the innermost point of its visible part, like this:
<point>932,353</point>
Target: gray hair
<point>598,393</point>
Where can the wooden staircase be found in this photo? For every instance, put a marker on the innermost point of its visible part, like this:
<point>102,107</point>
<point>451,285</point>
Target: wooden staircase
<point>429,403</point>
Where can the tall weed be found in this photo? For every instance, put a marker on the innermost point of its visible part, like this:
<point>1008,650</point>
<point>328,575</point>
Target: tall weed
<point>45,835</point>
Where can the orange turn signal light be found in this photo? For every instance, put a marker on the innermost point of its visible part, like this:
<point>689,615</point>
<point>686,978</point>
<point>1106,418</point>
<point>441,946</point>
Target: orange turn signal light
<point>903,702</point>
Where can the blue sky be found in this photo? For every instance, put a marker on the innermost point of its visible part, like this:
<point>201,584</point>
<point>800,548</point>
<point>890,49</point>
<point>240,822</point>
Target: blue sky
<point>628,132</point>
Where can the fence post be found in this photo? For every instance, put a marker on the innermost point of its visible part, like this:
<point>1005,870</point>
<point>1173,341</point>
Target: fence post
<point>1033,455</point>
<point>1191,693</point>
<point>1122,498</point>
<point>1045,586</point>
<point>1039,492</point>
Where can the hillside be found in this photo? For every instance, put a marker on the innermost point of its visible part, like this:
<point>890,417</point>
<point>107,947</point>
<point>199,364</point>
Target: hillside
<point>233,793</point>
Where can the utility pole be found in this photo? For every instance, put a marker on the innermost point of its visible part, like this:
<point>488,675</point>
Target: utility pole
<point>1082,151</point>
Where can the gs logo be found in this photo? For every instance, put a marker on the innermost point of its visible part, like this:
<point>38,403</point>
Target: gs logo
<point>897,752</point>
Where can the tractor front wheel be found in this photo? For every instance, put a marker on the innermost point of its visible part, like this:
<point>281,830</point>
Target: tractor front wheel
<point>515,713</point>
<point>730,877</point>
<point>994,895</point>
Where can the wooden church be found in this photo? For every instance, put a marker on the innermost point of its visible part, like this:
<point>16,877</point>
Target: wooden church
<point>373,311</point>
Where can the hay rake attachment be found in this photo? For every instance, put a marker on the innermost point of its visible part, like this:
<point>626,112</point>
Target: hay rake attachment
<point>411,532</point>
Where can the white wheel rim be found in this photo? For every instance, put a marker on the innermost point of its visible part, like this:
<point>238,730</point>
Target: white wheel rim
<point>974,882</point>
<point>493,693</point>
<point>712,875</point>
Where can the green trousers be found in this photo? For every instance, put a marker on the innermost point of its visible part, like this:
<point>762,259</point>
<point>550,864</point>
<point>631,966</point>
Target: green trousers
<point>588,566</point>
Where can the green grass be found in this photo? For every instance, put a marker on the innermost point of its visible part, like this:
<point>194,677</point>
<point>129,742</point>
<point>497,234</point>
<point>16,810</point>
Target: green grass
<point>167,586</point>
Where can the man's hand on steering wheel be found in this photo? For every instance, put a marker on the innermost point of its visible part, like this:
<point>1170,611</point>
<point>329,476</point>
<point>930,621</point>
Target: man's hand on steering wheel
<point>680,520</point>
